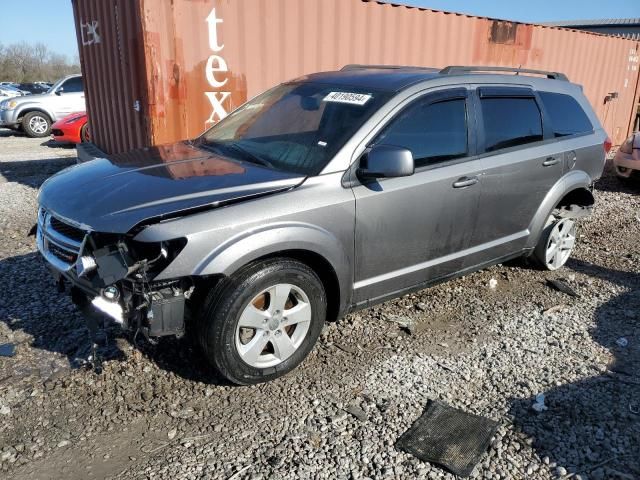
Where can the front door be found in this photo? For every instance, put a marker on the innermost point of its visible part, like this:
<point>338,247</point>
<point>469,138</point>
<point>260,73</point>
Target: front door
<point>410,230</point>
<point>69,98</point>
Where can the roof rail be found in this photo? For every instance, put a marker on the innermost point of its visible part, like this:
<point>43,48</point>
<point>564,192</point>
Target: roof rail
<point>458,69</point>
<point>356,66</point>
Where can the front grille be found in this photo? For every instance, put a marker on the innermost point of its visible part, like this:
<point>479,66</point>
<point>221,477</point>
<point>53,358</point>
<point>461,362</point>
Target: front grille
<point>59,242</point>
<point>62,254</point>
<point>67,230</point>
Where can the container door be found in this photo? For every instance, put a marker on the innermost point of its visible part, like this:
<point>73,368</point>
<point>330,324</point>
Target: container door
<point>414,229</point>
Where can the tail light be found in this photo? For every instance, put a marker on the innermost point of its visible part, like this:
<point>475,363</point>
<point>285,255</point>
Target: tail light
<point>627,146</point>
<point>607,145</point>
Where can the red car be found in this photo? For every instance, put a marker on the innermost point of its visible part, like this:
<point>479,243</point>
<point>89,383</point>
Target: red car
<point>72,128</point>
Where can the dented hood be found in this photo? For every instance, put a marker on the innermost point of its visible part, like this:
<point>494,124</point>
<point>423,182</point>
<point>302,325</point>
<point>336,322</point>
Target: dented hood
<point>114,194</point>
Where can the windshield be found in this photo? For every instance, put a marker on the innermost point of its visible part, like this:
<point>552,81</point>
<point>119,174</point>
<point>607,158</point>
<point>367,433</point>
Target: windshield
<point>295,127</point>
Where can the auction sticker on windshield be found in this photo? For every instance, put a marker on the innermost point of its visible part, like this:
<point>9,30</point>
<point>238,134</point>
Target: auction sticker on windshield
<point>347,97</point>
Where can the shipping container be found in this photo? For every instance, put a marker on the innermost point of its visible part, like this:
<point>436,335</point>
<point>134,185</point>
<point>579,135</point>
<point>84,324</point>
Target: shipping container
<point>158,71</point>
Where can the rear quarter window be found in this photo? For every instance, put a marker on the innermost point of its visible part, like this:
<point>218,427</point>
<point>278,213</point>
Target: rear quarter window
<point>566,115</point>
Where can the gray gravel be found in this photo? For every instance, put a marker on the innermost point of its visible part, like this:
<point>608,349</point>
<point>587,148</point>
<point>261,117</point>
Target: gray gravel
<point>157,411</point>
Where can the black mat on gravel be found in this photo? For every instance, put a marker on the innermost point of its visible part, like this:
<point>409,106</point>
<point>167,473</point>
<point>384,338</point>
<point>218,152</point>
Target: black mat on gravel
<point>448,437</point>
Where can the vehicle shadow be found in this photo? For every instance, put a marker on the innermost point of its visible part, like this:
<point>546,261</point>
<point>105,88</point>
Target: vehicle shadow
<point>9,132</point>
<point>54,144</point>
<point>592,427</point>
<point>609,182</point>
<point>33,172</point>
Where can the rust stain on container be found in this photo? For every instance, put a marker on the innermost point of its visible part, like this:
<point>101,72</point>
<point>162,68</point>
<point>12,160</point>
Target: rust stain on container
<point>166,70</point>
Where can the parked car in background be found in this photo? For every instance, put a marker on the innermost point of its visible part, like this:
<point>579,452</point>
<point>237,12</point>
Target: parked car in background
<point>627,159</point>
<point>71,129</point>
<point>33,88</point>
<point>35,114</point>
<point>10,84</point>
<point>9,91</point>
<point>323,195</point>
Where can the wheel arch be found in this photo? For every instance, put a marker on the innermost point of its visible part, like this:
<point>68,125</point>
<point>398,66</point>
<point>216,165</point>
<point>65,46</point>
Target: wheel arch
<point>33,108</point>
<point>313,246</point>
<point>572,189</point>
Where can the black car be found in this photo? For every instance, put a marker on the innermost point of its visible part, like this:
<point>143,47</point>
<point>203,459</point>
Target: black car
<point>33,88</point>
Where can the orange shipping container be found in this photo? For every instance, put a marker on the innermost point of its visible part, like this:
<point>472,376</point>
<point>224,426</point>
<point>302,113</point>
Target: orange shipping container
<point>157,71</point>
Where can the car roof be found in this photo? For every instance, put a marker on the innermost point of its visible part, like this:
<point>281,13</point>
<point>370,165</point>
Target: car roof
<point>396,78</point>
<point>379,78</point>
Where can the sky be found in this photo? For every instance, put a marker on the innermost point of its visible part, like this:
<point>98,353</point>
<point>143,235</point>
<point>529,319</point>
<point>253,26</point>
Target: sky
<point>51,21</point>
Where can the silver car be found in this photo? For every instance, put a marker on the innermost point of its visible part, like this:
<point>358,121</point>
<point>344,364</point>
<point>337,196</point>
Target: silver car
<point>324,195</point>
<point>34,114</point>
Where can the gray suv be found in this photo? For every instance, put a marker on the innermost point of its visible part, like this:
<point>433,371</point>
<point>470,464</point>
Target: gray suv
<point>34,114</point>
<point>323,195</point>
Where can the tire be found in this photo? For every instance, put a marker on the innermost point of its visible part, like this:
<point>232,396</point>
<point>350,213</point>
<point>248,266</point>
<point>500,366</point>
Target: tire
<point>281,339</point>
<point>36,124</point>
<point>558,232</point>
<point>84,134</point>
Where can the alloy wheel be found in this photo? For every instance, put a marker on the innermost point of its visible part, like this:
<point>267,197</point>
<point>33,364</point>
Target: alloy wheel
<point>273,325</point>
<point>38,124</point>
<point>562,239</point>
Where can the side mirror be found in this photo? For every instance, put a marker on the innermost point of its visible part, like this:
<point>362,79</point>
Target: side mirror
<point>60,91</point>
<point>387,161</point>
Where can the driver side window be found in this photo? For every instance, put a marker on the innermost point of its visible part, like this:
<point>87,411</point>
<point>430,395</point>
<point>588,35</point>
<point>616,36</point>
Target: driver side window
<point>434,131</point>
<point>73,85</point>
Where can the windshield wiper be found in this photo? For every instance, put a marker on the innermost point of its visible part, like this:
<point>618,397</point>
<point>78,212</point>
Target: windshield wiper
<point>218,147</point>
<point>250,156</point>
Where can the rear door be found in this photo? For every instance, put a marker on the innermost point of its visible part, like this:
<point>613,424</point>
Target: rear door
<point>413,229</point>
<point>520,166</point>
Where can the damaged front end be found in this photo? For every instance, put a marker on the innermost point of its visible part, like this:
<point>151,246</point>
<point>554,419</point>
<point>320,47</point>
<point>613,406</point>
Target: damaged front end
<point>113,275</point>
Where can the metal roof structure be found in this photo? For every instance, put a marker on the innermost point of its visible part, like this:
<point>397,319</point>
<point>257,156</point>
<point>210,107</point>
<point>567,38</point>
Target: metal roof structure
<point>619,27</point>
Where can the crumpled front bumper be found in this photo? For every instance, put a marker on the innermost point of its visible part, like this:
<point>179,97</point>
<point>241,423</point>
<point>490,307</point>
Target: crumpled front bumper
<point>627,164</point>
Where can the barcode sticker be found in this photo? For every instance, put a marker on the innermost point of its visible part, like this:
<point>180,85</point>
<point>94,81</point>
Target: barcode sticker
<point>347,97</point>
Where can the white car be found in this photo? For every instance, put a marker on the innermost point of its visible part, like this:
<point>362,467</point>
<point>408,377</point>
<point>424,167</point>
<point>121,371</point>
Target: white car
<point>8,91</point>
<point>627,159</point>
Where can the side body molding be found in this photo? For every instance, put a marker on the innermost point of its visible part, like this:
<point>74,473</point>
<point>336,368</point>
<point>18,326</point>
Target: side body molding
<point>573,180</point>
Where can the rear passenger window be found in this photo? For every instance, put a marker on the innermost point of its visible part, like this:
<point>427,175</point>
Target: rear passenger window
<point>434,132</point>
<point>567,116</point>
<point>510,121</point>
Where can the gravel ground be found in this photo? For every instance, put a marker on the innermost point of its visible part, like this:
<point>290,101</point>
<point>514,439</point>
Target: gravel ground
<point>157,411</point>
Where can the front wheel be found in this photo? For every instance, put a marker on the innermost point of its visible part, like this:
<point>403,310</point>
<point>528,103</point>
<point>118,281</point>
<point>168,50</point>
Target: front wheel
<point>556,243</point>
<point>36,124</point>
<point>262,323</point>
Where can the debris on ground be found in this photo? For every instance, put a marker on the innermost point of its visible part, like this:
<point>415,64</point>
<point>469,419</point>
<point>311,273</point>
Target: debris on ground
<point>622,342</point>
<point>563,287</point>
<point>449,437</point>
<point>7,350</point>
<point>357,412</point>
<point>493,284</point>
<point>554,309</point>
<point>406,324</point>
<point>538,405</point>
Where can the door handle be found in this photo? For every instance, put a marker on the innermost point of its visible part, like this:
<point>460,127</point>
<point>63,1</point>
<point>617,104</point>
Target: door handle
<point>550,161</point>
<point>465,182</point>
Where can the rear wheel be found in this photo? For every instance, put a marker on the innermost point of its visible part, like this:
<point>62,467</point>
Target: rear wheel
<point>84,134</point>
<point>36,124</point>
<point>556,243</point>
<point>262,323</point>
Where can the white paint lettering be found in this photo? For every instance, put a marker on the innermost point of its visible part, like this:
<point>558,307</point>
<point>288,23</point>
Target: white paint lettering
<point>216,71</point>
<point>216,99</point>
<point>213,22</point>
<point>215,64</point>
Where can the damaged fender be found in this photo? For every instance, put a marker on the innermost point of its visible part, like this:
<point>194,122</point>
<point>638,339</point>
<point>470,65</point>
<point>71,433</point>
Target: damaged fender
<point>574,180</point>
